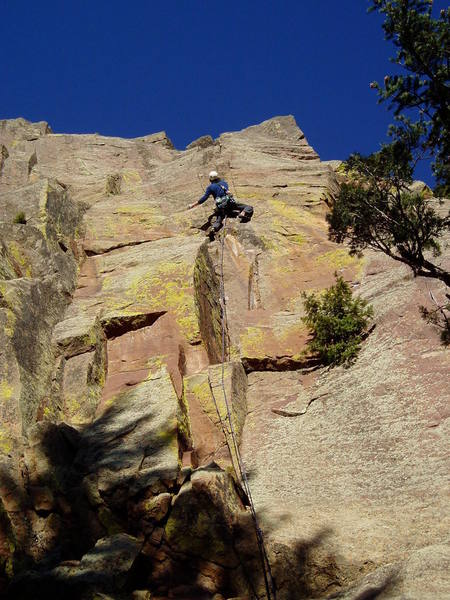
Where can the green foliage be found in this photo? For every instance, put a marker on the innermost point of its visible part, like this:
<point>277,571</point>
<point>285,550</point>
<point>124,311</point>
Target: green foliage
<point>20,218</point>
<point>420,95</point>
<point>376,210</point>
<point>338,323</point>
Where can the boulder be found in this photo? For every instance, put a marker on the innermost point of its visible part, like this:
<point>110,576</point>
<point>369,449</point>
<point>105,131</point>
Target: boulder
<point>199,534</point>
<point>133,447</point>
<point>202,142</point>
<point>419,187</point>
<point>21,129</point>
<point>106,568</point>
<point>217,490</point>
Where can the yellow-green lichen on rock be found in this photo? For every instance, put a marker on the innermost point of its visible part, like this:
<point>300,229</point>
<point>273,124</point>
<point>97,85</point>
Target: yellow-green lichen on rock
<point>122,222</point>
<point>288,213</point>
<point>296,238</point>
<point>131,179</point>
<point>337,259</point>
<point>78,334</point>
<point>82,384</point>
<point>290,330</point>
<point>6,441</point>
<point>184,422</point>
<point>60,218</point>
<point>129,285</point>
<point>207,303</point>
<point>198,386</point>
<point>215,402</point>
<point>8,270</point>
<point>279,344</point>
<point>157,366</point>
<point>21,258</point>
<point>10,387</point>
<point>6,391</point>
<point>169,287</point>
<point>253,340</point>
<point>10,320</point>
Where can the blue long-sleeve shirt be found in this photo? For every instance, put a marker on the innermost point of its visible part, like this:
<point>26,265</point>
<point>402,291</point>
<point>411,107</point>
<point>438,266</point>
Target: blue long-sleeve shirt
<point>215,189</point>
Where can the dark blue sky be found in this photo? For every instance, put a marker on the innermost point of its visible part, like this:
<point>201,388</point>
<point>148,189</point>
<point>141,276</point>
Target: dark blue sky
<point>193,67</point>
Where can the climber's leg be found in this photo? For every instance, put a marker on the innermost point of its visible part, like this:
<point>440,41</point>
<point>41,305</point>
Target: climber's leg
<point>220,215</point>
<point>207,224</point>
<point>245,211</point>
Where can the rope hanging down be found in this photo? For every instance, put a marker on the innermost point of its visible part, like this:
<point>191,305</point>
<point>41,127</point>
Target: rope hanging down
<point>239,468</point>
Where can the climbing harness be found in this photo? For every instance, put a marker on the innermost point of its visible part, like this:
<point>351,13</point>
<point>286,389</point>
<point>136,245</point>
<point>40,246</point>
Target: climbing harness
<point>223,201</point>
<point>237,462</point>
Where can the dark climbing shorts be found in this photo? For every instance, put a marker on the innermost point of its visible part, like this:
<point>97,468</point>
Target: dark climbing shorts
<point>232,209</point>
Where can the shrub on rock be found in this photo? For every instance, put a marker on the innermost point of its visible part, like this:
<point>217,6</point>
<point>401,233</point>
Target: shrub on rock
<point>20,218</point>
<point>337,322</point>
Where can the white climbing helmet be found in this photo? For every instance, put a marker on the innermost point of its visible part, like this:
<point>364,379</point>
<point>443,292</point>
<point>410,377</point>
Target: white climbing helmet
<point>213,175</point>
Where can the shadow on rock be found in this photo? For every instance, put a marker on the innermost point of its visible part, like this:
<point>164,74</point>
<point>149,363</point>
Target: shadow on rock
<point>76,488</point>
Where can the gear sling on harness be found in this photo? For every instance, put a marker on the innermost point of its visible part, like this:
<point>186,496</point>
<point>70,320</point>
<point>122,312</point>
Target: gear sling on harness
<point>223,201</point>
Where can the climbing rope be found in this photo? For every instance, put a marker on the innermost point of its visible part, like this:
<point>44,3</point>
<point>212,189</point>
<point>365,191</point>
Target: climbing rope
<point>236,458</point>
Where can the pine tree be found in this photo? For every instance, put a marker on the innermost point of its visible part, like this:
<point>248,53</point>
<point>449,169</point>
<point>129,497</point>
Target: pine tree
<point>420,95</point>
<point>375,208</point>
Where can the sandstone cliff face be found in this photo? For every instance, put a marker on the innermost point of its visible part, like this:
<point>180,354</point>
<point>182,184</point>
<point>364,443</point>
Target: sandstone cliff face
<point>115,473</point>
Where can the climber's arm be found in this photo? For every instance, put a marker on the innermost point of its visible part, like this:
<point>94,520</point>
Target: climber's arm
<point>205,197</point>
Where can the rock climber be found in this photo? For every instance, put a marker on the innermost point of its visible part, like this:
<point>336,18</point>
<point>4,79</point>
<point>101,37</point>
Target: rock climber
<point>226,205</point>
